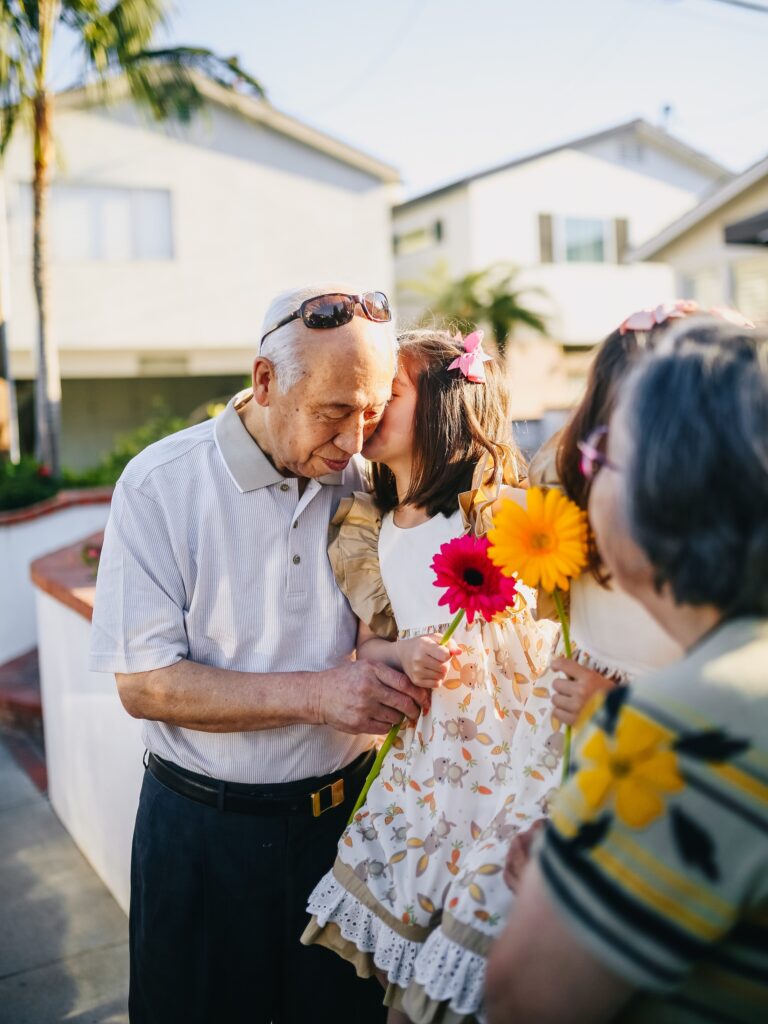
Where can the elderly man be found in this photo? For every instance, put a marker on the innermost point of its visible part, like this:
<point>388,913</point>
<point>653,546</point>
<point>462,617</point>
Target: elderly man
<point>217,610</point>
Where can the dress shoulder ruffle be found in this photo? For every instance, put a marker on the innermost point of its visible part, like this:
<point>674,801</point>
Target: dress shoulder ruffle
<point>354,555</point>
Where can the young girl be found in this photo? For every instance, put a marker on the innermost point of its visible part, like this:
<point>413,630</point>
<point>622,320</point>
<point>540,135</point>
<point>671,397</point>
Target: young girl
<point>442,782</point>
<point>617,641</point>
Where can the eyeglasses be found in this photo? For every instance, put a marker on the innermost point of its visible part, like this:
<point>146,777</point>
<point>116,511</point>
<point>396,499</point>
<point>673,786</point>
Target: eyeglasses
<point>323,312</point>
<point>593,456</point>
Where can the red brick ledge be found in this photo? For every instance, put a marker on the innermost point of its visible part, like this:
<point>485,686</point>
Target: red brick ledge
<point>65,576</point>
<point>62,500</point>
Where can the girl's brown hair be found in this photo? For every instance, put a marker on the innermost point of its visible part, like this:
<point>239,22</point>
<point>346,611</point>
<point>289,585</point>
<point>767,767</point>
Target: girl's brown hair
<point>456,424</point>
<point>613,361</point>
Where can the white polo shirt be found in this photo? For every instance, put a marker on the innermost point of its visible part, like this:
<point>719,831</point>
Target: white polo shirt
<point>211,555</point>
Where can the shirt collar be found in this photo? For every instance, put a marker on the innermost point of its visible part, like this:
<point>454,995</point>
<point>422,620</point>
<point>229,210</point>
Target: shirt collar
<point>247,464</point>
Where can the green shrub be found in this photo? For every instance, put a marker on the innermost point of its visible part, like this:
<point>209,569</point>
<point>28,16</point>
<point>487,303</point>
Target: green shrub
<point>25,484</point>
<point>126,447</point>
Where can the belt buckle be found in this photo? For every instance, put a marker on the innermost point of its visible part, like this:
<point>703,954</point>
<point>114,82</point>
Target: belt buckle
<point>337,797</point>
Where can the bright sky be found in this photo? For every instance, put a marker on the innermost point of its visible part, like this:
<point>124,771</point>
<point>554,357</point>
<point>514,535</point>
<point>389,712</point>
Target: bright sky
<point>440,88</point>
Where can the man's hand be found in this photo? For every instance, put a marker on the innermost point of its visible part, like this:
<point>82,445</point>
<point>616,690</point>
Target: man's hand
<point>519,853</point>
<point>367,697</point>
<point>575,688</point>
<point>424,661</point>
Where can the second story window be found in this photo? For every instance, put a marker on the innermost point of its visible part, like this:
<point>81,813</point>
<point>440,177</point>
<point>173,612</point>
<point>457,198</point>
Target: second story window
<point>418,239</point>
<point>106,224</point>
<point>583,240</point>
<point>564,239</point>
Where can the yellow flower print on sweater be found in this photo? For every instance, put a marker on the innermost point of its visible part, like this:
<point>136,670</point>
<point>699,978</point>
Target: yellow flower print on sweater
<point>635,769</point>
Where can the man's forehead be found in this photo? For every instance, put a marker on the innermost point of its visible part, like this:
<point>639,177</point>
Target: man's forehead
<point>346,400</point>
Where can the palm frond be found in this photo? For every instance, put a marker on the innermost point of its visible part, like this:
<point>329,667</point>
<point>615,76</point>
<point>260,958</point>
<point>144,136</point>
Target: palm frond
<point>118,42</point>
<point>15,70</point>
<point>487,296</point>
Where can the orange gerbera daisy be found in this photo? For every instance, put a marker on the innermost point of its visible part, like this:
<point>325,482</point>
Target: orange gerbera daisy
<point>544,544</point>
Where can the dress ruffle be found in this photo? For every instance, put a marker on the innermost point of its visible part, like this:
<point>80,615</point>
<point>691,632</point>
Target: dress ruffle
<point>354,555</point>
<point>382,947</point>
<point>447,975</point>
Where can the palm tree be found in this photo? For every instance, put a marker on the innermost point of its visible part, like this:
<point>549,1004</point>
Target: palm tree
<point>486,296</point>
<point>115,40</point>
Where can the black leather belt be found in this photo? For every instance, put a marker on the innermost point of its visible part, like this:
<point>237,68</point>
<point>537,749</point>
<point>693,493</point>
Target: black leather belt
<point>308,796</point>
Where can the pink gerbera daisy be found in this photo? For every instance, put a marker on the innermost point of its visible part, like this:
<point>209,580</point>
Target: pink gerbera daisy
<point>471,581</point>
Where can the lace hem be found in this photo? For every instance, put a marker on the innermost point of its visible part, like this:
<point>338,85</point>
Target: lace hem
<point>446,973</point>
<point>391,953</point>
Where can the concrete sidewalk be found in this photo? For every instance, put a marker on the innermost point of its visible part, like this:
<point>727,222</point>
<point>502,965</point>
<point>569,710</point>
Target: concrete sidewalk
<point>63,939</point>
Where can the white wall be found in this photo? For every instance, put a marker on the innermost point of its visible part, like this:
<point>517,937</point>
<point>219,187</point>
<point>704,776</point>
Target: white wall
<point>253,212</point>
<point>452,210</point>
<point>93,747</point>
<point>504,207</point>
<point>21,544</point>
<point>586,301</point>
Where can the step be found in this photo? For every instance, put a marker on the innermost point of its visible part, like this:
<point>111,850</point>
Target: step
<point>21,715</point>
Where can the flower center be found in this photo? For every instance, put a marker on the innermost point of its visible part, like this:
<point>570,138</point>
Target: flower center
<point>620,768</point>
<point>473,577</point>
<point>542,542</point>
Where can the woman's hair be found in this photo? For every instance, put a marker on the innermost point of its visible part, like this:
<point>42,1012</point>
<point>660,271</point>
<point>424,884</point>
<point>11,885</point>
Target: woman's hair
<point>614,359</point>
<point>697,476</point>
<point>456,423</point>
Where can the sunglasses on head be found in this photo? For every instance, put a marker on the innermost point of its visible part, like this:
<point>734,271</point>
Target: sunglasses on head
<point>323,312</point>
<point>593,456</point>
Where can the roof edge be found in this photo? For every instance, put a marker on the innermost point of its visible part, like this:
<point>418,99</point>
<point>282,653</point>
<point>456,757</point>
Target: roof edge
<point>254,109</point>
<point>709,205</point>
<point>658,135</point>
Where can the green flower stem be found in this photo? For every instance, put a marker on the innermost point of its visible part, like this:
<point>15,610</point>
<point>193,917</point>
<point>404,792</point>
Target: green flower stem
<point>452,628</point>
<point>392,734</point>
<point>558,599</point>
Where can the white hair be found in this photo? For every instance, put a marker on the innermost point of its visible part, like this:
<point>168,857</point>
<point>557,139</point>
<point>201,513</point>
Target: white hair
<point>282,347</point>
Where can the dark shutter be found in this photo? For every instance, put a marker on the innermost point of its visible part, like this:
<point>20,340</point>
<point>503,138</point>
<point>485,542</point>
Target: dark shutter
<point>546,253</point>
<point>621,225</point>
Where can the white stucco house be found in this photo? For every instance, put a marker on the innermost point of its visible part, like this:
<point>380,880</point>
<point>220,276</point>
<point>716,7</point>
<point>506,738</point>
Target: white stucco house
<point>167,244</point>
<point>718,251</point>
<point>567,217</point>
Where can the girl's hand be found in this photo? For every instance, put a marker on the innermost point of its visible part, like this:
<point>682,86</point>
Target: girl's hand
<point>424,661</point>
<point>574,689</point>
<point>518,855</point>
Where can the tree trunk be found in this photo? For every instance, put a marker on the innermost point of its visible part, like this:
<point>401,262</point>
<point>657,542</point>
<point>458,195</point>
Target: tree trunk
<point>9,422</point>
<point>48,383</point>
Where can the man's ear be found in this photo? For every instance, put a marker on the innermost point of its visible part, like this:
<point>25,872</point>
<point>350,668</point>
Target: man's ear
<point>264,381</point>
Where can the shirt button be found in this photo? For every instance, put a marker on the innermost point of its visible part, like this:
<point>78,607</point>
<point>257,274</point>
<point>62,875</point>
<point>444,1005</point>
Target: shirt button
<point>296,559</point>
<point>296,524</point>
<point>285,487</point>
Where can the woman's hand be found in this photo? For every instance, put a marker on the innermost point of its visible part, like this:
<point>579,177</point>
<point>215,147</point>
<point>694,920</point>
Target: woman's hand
<point>575,688</point>
<point>424,661</point>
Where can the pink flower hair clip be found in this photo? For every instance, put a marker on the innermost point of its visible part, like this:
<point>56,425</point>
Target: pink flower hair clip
<point>471,363</point>
<point>647,319</point>
<point>732,316</point>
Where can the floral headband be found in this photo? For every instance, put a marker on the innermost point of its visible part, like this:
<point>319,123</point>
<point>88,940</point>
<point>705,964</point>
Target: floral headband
<point>471,363</point>
<point>647,319</point>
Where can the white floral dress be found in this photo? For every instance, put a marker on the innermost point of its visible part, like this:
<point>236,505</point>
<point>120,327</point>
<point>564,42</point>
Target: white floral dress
<point>479,765</point>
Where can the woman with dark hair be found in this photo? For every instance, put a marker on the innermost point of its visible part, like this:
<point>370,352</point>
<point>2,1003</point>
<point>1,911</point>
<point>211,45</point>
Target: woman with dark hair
<point>441,455</point>
<point>617,639</point>
<point>649,899</point>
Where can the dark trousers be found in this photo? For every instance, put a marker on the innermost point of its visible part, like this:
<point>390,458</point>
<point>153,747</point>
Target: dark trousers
<point>218,902</point>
